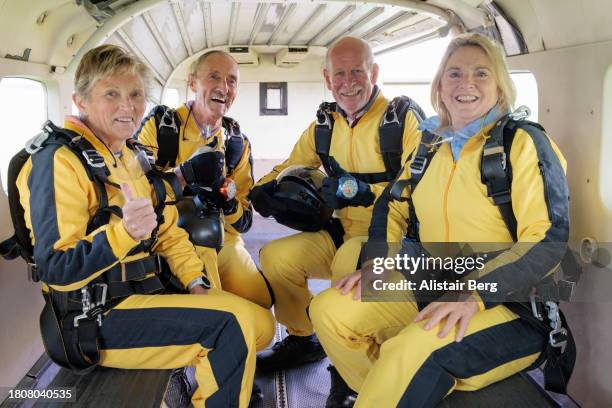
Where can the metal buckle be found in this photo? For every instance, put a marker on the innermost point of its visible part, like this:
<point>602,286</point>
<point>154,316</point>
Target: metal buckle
<point>168,116</point>
<point>490,151</point>
<point>558,333</point>
<point>535,309</point>
<point>391,111</point>
<point>522,112</point>
<point>323,119</point>
<point>92,309</point>
<point>32,272</point>
<point>418,164</point>
<point>93,158</point>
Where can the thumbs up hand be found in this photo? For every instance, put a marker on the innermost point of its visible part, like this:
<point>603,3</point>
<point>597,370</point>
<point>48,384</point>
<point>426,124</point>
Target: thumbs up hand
<point>341,189</point>
<point>139,218</point>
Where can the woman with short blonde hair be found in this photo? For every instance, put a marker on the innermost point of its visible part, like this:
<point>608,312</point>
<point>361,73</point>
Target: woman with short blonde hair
<point>98,227</point>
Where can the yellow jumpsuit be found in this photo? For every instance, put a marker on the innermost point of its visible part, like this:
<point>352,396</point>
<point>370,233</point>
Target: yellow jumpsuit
<point>218,333</point>
<point>392,361</point>
<point>237,271</point>
<point>288,262</point>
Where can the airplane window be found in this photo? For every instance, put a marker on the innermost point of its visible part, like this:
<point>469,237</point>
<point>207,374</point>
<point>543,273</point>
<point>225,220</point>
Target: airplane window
<point>526,91</point>
<point>23,110</point>
<point>605,153</point>
<point>171,98</point>
<point>409,71</point>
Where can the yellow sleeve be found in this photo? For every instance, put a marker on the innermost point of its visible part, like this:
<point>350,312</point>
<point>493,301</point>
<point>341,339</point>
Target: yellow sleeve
<point>59,200</point>
<point>303,153</point>
<point>540,202</point>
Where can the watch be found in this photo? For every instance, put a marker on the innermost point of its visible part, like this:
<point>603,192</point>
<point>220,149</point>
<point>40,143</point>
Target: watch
<point>200,280</point>
<point>347,187</point>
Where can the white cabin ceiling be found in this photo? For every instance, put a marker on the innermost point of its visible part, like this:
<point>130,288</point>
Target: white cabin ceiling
<point>167,34</point>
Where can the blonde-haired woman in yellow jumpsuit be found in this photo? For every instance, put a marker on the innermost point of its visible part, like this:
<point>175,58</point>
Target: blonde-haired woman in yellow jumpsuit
<point>395,354</point>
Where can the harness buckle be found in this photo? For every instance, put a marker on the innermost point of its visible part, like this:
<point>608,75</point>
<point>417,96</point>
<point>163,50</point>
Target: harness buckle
<point>390,116</point>
<point>167,120</point>
<point>323,118</point>
<point>496,150</point>
<point>536,309</point>
<point>93,158</point>
<point>32,272</point>
<point>418,164</point>
<point>92,308</point>
<point>558,335</point>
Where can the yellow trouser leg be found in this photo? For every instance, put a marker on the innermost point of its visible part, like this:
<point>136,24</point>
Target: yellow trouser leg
<point>209,258</point>
<point>428,368</point>
<point>287,263</point>
<point>346,259</point>
<point>218,333</point>
<point>352,331</point>
<point>239,274</point>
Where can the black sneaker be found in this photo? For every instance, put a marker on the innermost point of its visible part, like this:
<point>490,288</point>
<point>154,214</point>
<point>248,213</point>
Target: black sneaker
<point>292,351</point>
<point>256,395</point>
<point>179,391</point>
<point>340,394</point>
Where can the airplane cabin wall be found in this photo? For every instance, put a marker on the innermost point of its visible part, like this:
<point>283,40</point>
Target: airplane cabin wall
<point>571,98</point>
<point>21,301</point>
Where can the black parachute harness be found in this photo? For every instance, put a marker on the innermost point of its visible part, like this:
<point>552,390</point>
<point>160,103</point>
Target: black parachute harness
<point>71,320</point>
<point>390,138</point>
<point>168,125</point>
<point>543,310</point>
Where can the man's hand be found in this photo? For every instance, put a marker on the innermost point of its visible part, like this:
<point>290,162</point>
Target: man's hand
<point>139,218</point>
<point>341,190</point>
<point>263,201</point>
<point>455,313</point>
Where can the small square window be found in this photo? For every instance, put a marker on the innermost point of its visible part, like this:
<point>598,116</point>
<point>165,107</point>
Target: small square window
<point>272,98</point>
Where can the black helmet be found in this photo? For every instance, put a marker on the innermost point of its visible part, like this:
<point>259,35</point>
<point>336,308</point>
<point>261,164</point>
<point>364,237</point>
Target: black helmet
<point>299,187</point>
<point>203,224</point>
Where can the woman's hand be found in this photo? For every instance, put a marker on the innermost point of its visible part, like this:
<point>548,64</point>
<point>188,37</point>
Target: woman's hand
<point>346,284</point>
<point>139,218</point>
<point>456,313</point>
<point>198,290</point>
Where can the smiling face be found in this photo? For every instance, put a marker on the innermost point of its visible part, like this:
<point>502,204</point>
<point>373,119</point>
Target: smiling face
<point>350,74</point>
<point>468,87</point>
<point>215,85</point>
<point>114,107</point>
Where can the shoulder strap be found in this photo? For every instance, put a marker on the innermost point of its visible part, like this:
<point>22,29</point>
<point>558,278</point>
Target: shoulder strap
<point>391,132</point>
<point>234,144</point>
<point>323,133</point>
<point>423,156</point>
<point>167,124</point>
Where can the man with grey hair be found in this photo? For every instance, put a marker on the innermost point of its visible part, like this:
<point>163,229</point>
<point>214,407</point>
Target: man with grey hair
<point>210,156</point>
<point>361,155</point>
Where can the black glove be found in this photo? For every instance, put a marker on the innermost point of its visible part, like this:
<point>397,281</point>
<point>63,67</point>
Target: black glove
<point>215,199</point>
<point>263,200</point>
<point>204,169</point>
<point>355,193</point>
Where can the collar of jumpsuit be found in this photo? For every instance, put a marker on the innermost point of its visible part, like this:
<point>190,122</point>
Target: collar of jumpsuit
<point>459,138</point>
<point>362,111</point>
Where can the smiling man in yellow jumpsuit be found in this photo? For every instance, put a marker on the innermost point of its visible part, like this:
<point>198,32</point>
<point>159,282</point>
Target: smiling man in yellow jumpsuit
<point>214,79</point>
<point>287,263</point>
